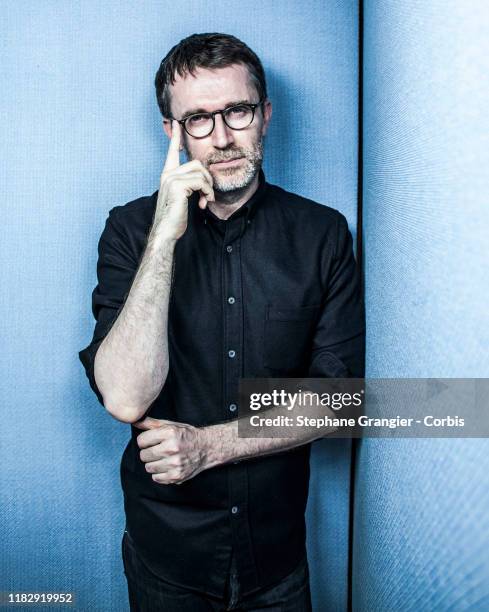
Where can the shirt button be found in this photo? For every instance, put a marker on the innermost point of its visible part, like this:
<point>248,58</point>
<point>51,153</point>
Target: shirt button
<point>232,407</point>
<point>231,300</point>
<point>229,248</point>
<point>234,509</point>
<point>232,354</point>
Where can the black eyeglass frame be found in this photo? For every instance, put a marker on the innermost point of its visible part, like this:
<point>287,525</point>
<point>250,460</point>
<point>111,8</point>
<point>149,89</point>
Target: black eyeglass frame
<point>220,112</point>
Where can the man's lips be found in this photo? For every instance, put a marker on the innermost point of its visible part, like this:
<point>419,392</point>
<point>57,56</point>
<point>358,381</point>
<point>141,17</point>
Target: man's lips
<point>228,163</point>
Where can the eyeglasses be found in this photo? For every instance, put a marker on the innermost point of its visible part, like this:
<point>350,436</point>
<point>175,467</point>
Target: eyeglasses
<point>201,125</point>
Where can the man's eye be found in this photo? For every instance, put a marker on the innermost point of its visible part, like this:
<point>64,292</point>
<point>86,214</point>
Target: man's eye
<point>197,119</point>
<point>238,111</point>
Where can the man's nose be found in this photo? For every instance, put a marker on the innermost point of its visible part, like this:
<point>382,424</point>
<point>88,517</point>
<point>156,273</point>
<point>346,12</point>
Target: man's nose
<point>222,136</point>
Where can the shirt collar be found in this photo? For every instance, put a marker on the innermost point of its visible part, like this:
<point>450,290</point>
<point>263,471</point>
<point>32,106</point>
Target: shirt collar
<point>248,208</point>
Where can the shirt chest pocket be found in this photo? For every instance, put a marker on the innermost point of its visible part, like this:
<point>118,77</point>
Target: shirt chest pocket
<point>287,338</point>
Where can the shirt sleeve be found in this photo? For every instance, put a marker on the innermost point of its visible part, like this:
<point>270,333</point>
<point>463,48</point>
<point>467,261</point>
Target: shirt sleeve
<point>116,269</point>
<point>338,348</point>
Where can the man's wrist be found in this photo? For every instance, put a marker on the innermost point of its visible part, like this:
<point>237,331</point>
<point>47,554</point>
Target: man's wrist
<point>215,444</point>
<point>161,239</point>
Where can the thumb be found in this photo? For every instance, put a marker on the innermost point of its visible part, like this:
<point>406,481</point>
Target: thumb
<point>149,423</point>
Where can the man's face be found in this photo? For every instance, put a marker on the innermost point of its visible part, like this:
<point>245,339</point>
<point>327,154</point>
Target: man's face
<point>216,89</point>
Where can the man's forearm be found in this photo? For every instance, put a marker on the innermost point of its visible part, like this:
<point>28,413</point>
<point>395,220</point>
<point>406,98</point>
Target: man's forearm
<point>131,364</point>
<point>223,443</point>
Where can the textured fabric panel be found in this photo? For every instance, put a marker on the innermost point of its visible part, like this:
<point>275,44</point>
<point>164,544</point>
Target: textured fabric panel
<point>81,133</point>
<point>421,526</point>
<point>425,180</point>
<point>328,514</point>
<point>422,506</point>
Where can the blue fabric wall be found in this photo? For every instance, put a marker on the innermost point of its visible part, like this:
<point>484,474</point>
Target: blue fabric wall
<point>80,134</point>
<point>421,519</point>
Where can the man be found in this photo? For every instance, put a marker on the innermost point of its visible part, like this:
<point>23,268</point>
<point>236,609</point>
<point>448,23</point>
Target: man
<point>217,276</point>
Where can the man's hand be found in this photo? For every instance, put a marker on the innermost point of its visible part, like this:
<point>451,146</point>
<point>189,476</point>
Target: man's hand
<point>173,452</point>
<point>177,183</point>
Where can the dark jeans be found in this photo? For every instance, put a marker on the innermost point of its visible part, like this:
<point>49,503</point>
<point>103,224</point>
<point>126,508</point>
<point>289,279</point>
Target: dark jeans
<point>148,593</point>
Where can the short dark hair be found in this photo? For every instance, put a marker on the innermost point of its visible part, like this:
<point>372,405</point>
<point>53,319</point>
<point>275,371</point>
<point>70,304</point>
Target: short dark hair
<point>212,50</point>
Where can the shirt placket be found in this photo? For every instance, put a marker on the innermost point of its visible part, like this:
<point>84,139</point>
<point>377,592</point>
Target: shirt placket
<point>233,343</point>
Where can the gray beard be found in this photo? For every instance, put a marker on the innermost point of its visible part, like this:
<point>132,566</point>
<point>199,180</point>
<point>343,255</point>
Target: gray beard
<point>231,179</point>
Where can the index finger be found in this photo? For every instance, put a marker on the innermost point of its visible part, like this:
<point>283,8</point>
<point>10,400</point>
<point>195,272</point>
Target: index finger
<point>152,437</point>
<point>173,155</point>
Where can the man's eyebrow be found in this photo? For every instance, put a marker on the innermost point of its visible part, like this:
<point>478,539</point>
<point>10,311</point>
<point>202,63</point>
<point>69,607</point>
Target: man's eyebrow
<point>195,111</point>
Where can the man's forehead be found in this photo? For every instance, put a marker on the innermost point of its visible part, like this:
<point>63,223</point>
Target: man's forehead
<point>210,88</point>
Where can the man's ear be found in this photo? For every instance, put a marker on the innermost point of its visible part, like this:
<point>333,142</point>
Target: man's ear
<point>167,127</point>
<point>267,115</point>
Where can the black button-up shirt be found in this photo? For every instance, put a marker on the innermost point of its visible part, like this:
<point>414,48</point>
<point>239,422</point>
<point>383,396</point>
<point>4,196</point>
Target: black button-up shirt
<point>273,291</point>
